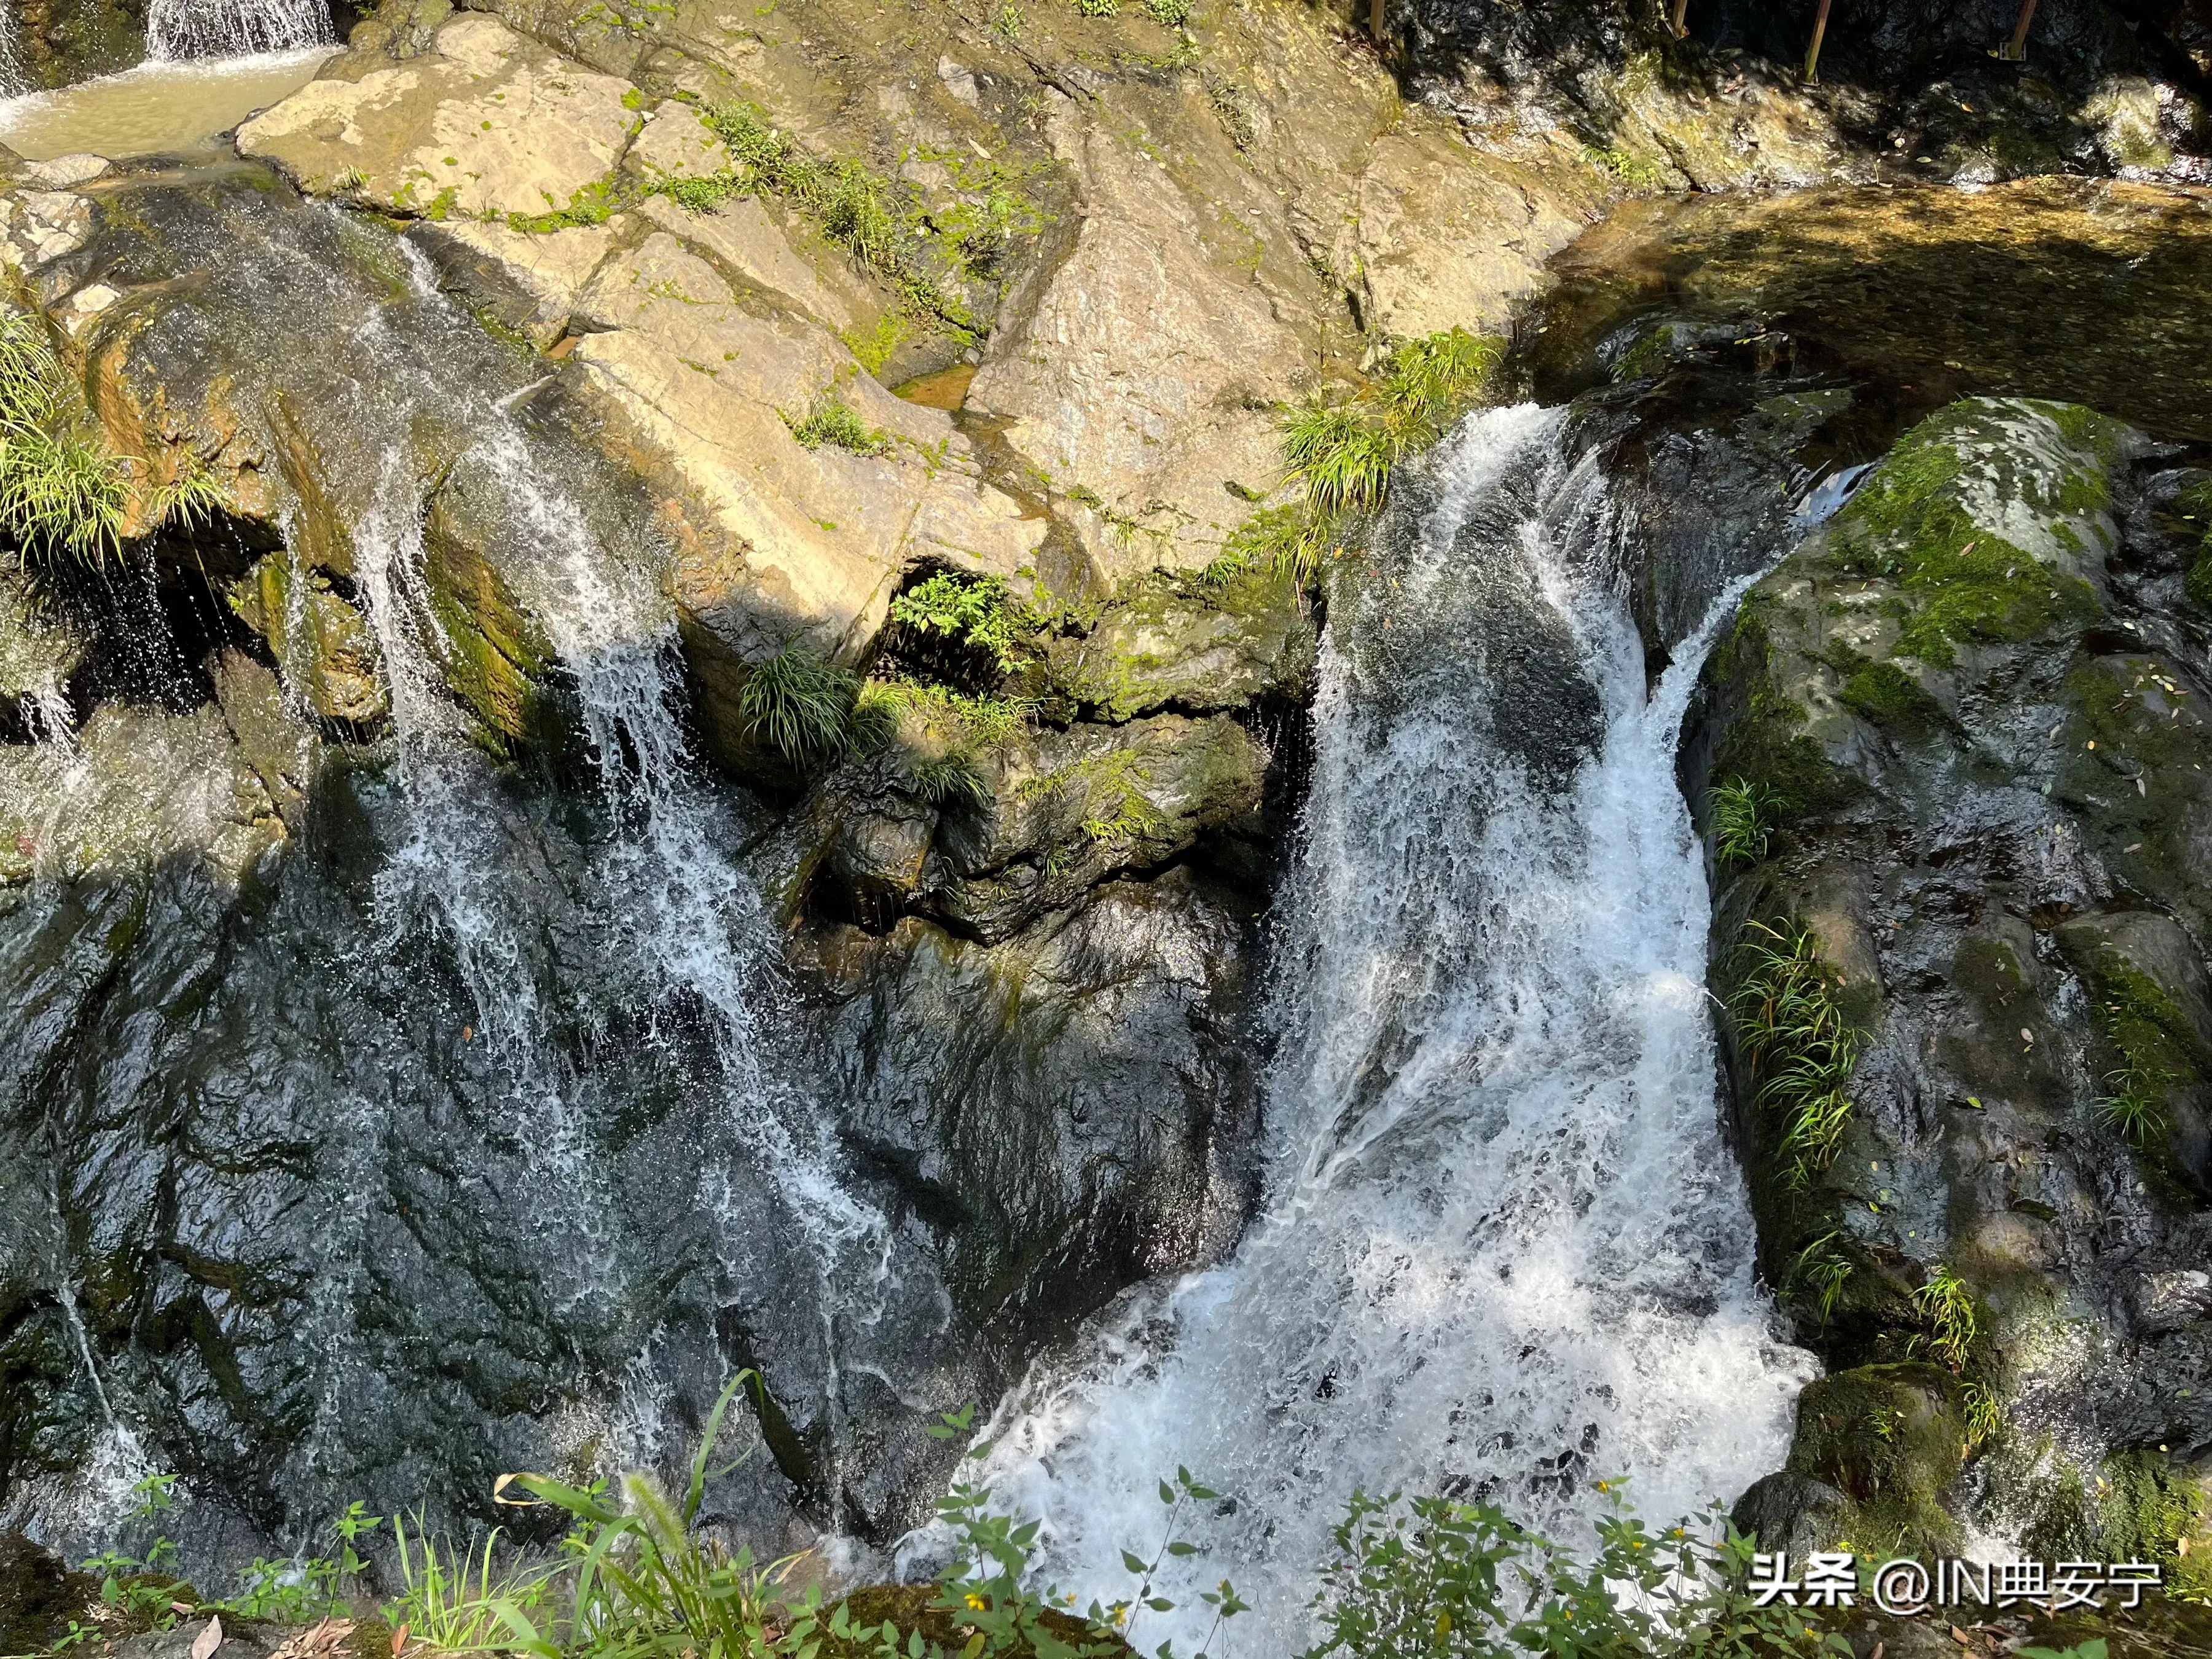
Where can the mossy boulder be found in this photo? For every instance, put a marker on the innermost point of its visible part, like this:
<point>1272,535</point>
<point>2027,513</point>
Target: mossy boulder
<point>1181,643</point>
<point>1891,1439</point>
<point>1966,711</point>
<point>39,1595</point>
<point>323,643</point>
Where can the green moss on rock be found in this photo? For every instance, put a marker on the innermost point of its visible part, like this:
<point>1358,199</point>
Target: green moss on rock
<point>1890,1438</point>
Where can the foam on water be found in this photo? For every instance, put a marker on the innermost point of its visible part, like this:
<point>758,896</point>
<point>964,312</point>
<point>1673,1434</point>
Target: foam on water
<point>1504,1249</point>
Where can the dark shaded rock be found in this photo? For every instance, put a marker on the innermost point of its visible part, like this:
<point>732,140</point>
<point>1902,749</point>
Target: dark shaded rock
<point>1791,1512</point>
<point>39,1595</point>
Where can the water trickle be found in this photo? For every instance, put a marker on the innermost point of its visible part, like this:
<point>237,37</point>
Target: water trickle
<point>229,28</point>
<point>1505,1251</point>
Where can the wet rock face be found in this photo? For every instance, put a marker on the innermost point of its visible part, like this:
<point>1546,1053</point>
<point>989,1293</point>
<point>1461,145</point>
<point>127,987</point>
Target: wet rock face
<point>403,1075</point>
<point>1964,713</point>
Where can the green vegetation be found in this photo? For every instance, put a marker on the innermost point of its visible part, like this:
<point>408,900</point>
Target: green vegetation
<point>1341,454</point>
<point>1436,1579</point>
<point>975,612</point>
<point>1174,13</point>
<point>1626,168</point>
<point>798,704</point>
<point>1797,1044</point>
<point>60,491</point>
<point>1742,823</point>
<point>1822,1270</point>
<point>885,705</point>
<point>1886,695</point>
<point>635,1578</point>
<point>832,420</point>
<point>1767,747</point>
<point>590,205</point>
<point>856,207</point>
<point>1946,1302</point>
<point>2193,504</point>
<point>1110,790</point>
<point>950,779</point>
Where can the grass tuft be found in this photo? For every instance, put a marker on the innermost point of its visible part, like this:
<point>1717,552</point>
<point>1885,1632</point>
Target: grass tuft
<point>833,422</point>
<point>59,488</point>
<point>797,703</point>
<point>1798,1045</point>
<point>1743,822</point>
<point>1946,1302</point>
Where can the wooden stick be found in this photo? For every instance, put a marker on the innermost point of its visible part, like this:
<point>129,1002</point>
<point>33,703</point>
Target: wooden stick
<point>1375,21</point>
<point>1681,29</point>
<point>2017,51</point>
<point>1812,53</point>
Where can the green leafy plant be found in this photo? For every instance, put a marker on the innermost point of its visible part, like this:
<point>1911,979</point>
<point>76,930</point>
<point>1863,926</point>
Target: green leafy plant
<point>832,420</point>
<point>1172,13</point>
<point>1800,1047</point>
<point>797,703</point>
<point>193,498</point>
<point>1743,822</point>
<point>141,1590</point>
<point>975,611</point>
<point>308,1587</point>
<point>1437,1579</point>
<point>59,488</point>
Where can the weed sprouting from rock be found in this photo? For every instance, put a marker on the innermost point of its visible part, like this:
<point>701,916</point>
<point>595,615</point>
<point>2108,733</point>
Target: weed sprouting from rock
<point>832,420</point>
<point>1743,822</point>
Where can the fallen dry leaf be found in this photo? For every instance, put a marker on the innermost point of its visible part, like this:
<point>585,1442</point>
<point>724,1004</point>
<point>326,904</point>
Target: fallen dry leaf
<point>319,1642</point>
<point>206,1643</point>
<point>399,1641</point>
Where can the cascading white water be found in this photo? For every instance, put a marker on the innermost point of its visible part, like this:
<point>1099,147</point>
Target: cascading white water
<point>233,28</point>
<point>1506,1250</point>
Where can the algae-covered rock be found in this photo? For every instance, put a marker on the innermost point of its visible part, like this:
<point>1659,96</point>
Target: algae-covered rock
<point>1890,1438</point>
<point>1163,646</point>
<point>323,643</point>
<point>41,647</point>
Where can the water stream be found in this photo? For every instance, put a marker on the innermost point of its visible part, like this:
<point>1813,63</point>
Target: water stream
<point>1504,1250</point>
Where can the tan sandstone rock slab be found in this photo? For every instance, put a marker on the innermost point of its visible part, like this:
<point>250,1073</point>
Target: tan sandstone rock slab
<point>1139,371</point>
<point>489,124</point>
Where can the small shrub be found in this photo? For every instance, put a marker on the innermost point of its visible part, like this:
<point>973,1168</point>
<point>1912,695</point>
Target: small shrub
<point>1443,1580</point>
<point>703,195</point>
<point>2134,1107</point>
<point>975,721</point>
<point>450,1598</point>
<point>1010,22</point>
<point>976,611</point>
<point>1342,457</point>
<point>1172,13</point>
<point>833,422</point>
<point>797,703</point>
<point>1742,823</point>
<point>1099,8</point>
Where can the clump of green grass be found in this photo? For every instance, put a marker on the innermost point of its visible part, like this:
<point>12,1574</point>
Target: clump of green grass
<point>450,1598</point>
<point>1799,1046</point>
<point>798,704</point>
<point>2135,1107</point>
<point>1946,1302</point>
<point>1743,822</point>
<point>1174,13</point>
<point>1341,454</point>
<point>976,611</point>
<point>949,780</point>
<point>833,420</point>
<point>60,490</point>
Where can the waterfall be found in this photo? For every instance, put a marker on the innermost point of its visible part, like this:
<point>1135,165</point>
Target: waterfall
<point>229,28</point>
<point>1505,1251</point>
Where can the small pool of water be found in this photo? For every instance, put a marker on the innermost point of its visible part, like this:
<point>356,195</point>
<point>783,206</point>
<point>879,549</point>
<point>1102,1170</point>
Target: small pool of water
<point>154,109</point>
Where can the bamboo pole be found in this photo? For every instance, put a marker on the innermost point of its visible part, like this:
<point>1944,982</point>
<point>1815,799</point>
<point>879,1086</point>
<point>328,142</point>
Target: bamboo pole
<point>1375,23</point>
<point>1813,51</point>
<point>2017,51</point>
<point>1675,22</point>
